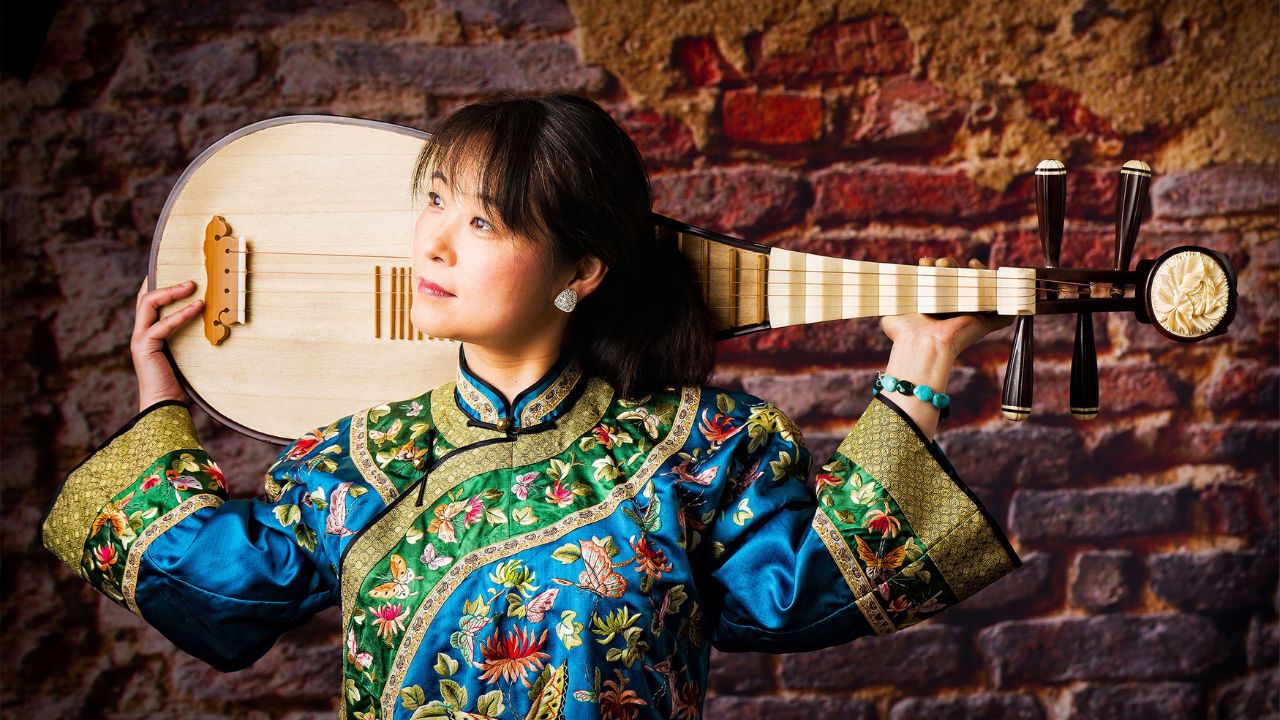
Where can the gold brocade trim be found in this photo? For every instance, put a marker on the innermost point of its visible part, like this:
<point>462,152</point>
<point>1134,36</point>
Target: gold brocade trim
<point>870,607</point>
<point>439,594</point>
<point>862,589</point>
<point>108,472</point>
<point>971,557</point>
<point>450,421</point>
<point>363,459</point>
<point>539,407</point>
<point>378,539</point>
<point>884,445</point>
<point>475,399</point>
<point>139,547</point>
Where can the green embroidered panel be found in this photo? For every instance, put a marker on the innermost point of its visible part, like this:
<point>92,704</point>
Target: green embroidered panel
<point>177,484</point>
<point>469,519</point>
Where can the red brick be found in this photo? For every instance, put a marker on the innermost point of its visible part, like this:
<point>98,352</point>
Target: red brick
<point>316,71</point>
<point>741,673</point>
<point>660,140</point>
<point>1091,195</point>
<point>931,644</point>
<point>1235,508</point>
<point>876,45</point>
<point>906,112</point>
<point>1056,515</point>
<point>874,247</point>
<point>746,707</point>
<point>869,192</point>
<point>1246,444</point>
<point>700,60</point>
<point>1140,701</point>
<point>771,118</point>
<point>1105,580</point>
<point>1023,706</point>
<point>1109,647</point>
<point>714,198</point>
<point>1214,579</point>
<point>1062,110</point>
<point>1216,191</point>
<point>1243,385</point>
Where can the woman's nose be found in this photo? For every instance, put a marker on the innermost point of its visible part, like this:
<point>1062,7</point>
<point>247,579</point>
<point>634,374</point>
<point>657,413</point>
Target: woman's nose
<point>435,239</point>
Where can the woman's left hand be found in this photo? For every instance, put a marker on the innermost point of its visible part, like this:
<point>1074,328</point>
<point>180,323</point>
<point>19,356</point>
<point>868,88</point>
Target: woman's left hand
<point>951,331</point>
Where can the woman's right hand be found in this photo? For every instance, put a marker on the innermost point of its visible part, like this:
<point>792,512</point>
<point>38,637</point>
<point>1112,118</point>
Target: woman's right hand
<point>156,380</point>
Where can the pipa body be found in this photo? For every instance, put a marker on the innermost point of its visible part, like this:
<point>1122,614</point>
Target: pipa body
<point>297,231</point>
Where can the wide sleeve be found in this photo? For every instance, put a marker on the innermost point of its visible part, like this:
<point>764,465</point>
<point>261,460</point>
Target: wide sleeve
<point>146,520</point>
<point>886,536</point>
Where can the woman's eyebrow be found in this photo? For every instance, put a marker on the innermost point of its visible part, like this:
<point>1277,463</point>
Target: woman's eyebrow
<point>487,200</point>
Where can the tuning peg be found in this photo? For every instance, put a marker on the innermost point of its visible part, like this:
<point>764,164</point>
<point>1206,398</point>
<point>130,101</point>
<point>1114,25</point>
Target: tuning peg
<point>1051,207</point>
<point>1131,199</point>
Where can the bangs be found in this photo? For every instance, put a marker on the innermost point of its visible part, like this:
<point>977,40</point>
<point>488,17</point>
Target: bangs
<point>499,146</point>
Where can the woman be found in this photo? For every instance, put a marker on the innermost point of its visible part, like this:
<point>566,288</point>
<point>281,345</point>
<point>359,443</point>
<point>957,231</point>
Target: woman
<point>571,525</point>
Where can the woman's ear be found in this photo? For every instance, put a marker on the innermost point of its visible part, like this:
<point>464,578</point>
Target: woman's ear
<point>587,275</point>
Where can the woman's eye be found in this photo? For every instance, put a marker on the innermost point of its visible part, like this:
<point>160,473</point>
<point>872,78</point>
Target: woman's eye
<point>483,222</point>
<point>432,197</point>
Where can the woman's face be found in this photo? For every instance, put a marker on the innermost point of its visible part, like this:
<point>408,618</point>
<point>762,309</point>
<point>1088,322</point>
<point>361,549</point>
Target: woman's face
<point>500,286</point>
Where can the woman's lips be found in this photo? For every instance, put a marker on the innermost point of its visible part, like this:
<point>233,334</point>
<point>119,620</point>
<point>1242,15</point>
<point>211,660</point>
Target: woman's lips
<point>432,289</point>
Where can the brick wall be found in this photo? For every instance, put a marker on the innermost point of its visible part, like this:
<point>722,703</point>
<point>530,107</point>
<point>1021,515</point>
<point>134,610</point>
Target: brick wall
<point>881,131</point>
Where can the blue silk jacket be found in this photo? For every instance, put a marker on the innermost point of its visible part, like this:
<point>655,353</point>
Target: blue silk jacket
<point>575,555</point>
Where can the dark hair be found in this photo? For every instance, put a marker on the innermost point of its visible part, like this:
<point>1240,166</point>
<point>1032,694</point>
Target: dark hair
<point>556,168</point>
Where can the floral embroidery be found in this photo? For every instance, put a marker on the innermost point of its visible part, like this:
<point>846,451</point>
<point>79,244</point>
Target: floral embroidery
<point>513,657</point>
<point>388,620</point>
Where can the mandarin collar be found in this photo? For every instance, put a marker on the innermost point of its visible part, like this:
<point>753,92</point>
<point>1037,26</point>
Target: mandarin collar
<point>541,402</point>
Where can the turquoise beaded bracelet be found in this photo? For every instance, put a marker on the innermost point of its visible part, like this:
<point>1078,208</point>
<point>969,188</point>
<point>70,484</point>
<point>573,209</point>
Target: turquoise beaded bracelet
<point>941,401</point>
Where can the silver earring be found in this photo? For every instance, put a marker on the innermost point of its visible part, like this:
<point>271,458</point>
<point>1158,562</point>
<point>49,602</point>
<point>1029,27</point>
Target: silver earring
<point>567,299</point>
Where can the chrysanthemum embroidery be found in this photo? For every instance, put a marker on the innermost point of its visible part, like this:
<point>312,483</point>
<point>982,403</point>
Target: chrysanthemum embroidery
<point>617,701</point>
<point>389,621</point>
<point>650,559</point>
<point>513,657</point>
<point>717,429</point>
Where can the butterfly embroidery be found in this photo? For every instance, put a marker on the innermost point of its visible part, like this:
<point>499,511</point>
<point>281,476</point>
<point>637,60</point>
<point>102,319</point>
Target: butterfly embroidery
<point>336,522</point>
<point>432,560</point>
<point>398,587</point>
<point>879,566</point>
<point>182,482</point>
<point>113,514</point>
<point>354,656</point>
<point>521,488</point>
<point>599,577</point>
<point>703,477</point>
<point>536,609</point>
<point>465,639</point>
<point>382,437</point>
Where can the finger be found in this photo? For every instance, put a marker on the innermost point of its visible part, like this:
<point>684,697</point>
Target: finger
<point>927,261</point>
<point>976,264</point>
<point>149,304</point>
<point>948,261</point>
<point>174,320</point>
